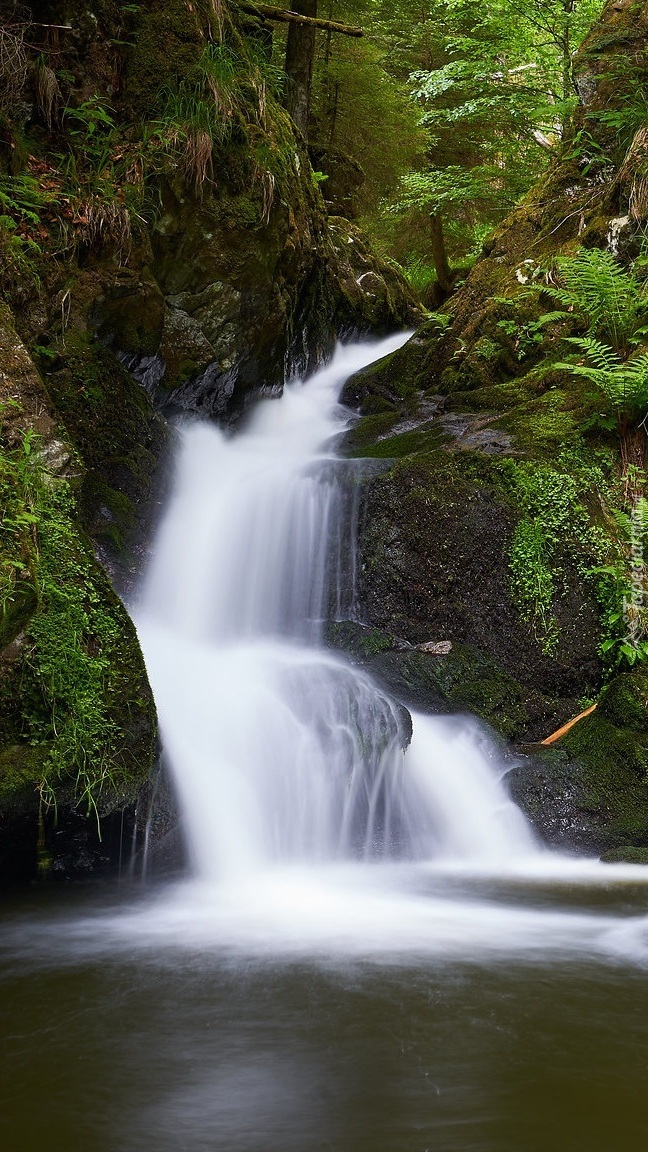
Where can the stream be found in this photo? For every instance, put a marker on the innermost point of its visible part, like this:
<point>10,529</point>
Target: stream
<point>370,952</point>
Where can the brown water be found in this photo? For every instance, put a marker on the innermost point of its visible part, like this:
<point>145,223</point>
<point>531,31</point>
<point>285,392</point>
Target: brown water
<point>124,1031</point>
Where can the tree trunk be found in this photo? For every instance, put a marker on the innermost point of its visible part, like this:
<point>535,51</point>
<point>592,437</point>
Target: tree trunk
<point>300,55</point>
<point>439,254</point>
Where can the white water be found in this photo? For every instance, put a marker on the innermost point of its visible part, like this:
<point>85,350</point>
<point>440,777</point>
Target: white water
<point>309,825</point>
<point>281,751</point>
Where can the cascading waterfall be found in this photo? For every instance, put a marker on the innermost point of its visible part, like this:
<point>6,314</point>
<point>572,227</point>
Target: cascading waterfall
<point>281,751</point>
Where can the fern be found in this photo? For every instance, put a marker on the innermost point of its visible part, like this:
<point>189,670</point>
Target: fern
<point>624,383</point>
<point>613,304</point>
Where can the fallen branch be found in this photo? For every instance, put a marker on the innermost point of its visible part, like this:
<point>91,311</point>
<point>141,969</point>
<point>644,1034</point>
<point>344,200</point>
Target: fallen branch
<point>570,724</point>
<point>285,16</point>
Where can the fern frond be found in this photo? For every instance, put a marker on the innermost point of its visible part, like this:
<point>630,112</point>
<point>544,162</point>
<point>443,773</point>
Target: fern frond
<point>614,303</point>
<point>601,355</point>
<point>550,318</point>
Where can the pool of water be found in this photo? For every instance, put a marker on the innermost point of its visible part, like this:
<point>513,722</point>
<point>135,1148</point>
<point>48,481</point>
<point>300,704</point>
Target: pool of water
<point>407,1010</point>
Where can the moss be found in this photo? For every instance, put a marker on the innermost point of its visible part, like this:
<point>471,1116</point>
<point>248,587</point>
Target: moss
<point>507,395</point>
<point>85,694</point>
<point>363,442</point>
<point>441,529</point>
<point>17,609</point>
<point>78,719</point>
<point>21,775</point>
<point>393,383</point>
<point>357,639</point>
<point>599,774</point>
<point>544,425</point>
<point>88,386</point>
<point>625,855</point>
<point>467,680</point>
<point>167,39</point>
<point>624,702</point>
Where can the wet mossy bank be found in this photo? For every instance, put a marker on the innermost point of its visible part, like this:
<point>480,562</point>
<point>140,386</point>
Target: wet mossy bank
<point>77,727</point>
<point>498,563</point>
<point>496,524</point>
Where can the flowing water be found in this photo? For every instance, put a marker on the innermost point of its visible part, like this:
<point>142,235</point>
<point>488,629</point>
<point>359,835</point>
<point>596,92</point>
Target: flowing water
<point>371,953</point>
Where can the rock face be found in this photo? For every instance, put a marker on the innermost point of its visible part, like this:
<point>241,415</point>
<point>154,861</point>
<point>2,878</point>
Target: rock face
<point>493,511</point>
<point>235,304</point>
<point>590,792</point>
<point>77,728</point>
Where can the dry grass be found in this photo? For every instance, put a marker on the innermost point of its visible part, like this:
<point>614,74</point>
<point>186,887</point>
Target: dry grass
<point>48,93</point>
<point>267,182</point>
<point>97,223</point>
<point>197,157</point>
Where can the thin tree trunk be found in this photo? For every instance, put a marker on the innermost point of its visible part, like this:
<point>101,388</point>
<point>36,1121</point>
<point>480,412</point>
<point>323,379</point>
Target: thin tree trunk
<point>440,255</point>
<point>300,55</point>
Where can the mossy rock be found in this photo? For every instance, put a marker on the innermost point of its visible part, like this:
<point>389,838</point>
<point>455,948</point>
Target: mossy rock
<point>78,725</point>
<point>21,774</point>
<point>118,436</point>
<point>167,39</point>
<point>18,611</point>
<point>624,702</point>
<point>462,680</point>
<point>589,792</point>
<point>625,855</point>
<point>435,547</point>
<point>392,384</point>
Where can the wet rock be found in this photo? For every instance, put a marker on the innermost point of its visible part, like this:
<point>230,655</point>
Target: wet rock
<point>461,680</point>
<point>589,791</point>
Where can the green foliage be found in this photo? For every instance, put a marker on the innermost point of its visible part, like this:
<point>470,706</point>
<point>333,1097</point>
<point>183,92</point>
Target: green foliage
<point>90,119</point>
<point>623,383</point>
<point>611,301</point>
<point>528,336</point>
<point>361,108</point>
<point>554,530</point>
<point>74,640</point>
<point>22,198</point>
<point>533,583</point>
<point>225,95</point>
<point>621,591</point>
<point>624,117</point>
<point>17,570</point>
<point>589,154</point>
<point>102,179</point>
<point>19,258</point>
<point>420,275</point>
<point>494,87</point>
<point>438,189</point>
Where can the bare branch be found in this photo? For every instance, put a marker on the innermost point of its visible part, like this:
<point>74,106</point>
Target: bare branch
<point>285,16</point>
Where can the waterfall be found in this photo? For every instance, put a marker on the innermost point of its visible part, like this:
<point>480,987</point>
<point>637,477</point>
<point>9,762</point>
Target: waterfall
<point>281,751</point>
